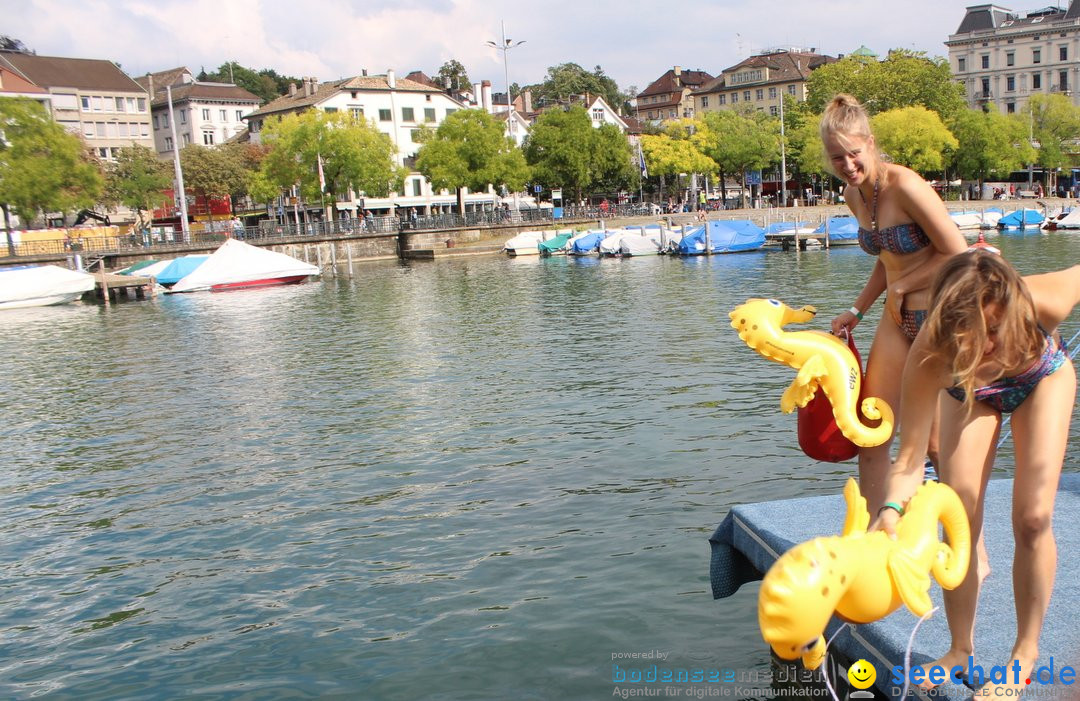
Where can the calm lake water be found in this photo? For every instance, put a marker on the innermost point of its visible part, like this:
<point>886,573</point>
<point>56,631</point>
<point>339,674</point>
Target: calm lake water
<point>467,479</point>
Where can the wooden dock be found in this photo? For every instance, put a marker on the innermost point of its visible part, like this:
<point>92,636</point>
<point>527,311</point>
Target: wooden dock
<point>109,287</point>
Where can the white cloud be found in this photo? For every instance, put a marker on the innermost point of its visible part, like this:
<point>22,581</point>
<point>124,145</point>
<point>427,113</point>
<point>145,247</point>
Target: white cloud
<point>633,41</point>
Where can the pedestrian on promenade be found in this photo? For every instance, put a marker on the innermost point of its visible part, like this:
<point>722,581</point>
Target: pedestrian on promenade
<point>904,223</point>
<point>990,341</point>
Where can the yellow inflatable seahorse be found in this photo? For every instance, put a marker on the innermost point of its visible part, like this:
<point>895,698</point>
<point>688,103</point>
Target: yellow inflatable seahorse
<point>823,360</point>
<point>863,576</point>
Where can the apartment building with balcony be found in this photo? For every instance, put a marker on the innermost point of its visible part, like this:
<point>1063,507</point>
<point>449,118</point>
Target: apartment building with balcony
<point>759,82</point>
<point>89,97</point>
<point>206,113</point>
<point>1002,57</point>
<point>670,96</point>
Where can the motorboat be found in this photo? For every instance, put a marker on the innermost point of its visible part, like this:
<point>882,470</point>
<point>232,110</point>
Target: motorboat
<point>41,286</point>
<point>586,243</point>
<point>842,231</point>
<point>524,244</point>
<point>556,245</point>
<point>237,265</point>
<point>722,236</point>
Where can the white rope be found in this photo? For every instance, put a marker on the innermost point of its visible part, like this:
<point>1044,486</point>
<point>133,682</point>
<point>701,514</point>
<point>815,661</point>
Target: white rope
<point>907,652</point>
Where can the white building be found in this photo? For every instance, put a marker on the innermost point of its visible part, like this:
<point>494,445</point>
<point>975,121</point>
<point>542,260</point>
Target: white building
<point>398,107</point>
<point>1001,58</point>
<point>89,97</point>
<point>205,113</point>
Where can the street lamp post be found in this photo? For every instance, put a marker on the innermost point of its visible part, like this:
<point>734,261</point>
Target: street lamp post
<point>504,46</point>
<point>783,156</point>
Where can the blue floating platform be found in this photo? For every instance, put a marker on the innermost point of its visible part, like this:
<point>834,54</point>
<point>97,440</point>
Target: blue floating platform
<point>753,536</point>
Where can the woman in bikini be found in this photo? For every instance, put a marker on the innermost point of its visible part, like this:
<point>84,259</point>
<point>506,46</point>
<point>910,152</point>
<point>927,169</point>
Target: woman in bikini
<point>990,341</point>
<point>904,223</point>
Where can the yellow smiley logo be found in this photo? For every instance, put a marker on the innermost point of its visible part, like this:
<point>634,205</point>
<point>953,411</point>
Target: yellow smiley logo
<point>861,674</point>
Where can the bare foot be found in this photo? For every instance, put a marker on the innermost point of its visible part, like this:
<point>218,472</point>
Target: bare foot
<point>951,659</point>
<point>1015,682</point>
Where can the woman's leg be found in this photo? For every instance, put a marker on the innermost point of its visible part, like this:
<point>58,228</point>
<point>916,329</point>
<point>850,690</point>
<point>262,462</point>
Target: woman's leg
<point>967,455</point>
<point>884,368</point>
<point>1040,433</point>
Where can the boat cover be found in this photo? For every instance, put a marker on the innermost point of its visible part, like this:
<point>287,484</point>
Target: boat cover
<point>753,536</point>
<point>526,240</point>
<point>39,285</point>
<point>555,243</point>
<point>841,229</point>
<point>609,245</point>
<point>1071,220</point>
<point>727,236</point>
<point>587,243</point>
<point>236,261</point>
<point>643,242</point>
<point>179,268</point>
<point>1021,217</point>
<point>137,267</point>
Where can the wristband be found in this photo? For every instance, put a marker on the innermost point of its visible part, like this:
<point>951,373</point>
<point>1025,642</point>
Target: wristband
<point>891,505</point>
<point>856,312</point>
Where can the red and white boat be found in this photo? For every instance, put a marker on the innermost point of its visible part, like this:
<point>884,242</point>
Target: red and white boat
<point>238,265</point>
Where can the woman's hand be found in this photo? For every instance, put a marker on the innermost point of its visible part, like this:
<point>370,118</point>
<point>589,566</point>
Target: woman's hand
<point>844,323</point>
<point>886,521</point>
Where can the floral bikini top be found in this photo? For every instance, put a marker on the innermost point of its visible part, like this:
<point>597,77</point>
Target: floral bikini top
<point>902,238</point>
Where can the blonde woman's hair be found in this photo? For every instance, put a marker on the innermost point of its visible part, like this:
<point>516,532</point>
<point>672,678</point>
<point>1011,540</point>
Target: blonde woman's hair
<point>956,324</point>
<point>843,118</point>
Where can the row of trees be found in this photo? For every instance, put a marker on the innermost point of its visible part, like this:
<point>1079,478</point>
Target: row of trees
<point>919,118</point>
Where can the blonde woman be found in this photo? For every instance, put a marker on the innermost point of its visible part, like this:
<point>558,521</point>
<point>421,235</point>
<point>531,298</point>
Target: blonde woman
<point>990,341</point>
<point>904,223</point>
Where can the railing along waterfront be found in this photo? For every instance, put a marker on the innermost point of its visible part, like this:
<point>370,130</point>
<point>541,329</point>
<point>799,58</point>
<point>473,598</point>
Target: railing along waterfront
<point>269,231</point>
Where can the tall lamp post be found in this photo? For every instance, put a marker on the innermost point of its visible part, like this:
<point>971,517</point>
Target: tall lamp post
<point>783,156</point>
<point>504,46</point>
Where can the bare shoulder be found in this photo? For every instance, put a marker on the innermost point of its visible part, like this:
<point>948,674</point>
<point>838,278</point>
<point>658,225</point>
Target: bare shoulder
<point>1055,294</point>
<point>909,183</point>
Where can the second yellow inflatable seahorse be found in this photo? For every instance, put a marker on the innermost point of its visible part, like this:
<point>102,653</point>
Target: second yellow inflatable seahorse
<point>823,360</point>
<point>863,576</point>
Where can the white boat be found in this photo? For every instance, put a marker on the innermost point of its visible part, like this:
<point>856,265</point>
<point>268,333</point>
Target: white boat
<point>966,220</point>
<point>41,286</point>
<point>236,265</point>
<point>524,244</point>
<point>1070,220</point>
<point>609,245</point>
<point>645,242</point>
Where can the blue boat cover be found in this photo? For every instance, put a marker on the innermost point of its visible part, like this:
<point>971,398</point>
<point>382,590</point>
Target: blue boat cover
<point>728,236</point>
<point>753,536</point>
<point>841,229</point>
<point>588,243</point>
<point>780,227</point>
<point>179,269</point>
<point>1026,216</point>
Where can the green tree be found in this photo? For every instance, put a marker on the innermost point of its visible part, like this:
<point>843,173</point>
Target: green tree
<point>568,79</point>
<point>453,76</point>
<point>266,83</point>
<point>137,179</point>
<point>677,150</point>
<point>43,167</point>
<point>914,137</point>
<point>903,79</point>
<point>212,172</point>
<point>1055,125</point>
<point>471,149</point>
<point>612,161</point>
<point>741,143</point>
<point>564,150</point>
<point>354,155</point>
<point>989,142</point>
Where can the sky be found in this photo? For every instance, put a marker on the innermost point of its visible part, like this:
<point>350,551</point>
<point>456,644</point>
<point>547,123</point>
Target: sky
<point>634,42</point>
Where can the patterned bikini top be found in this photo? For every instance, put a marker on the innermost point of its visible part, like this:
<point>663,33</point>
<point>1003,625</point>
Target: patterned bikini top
<point>902,238</point>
